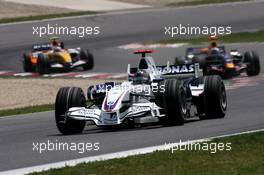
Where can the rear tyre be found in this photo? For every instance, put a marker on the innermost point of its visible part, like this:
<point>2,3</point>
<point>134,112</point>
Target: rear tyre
<point>27,66</point>
<point>175,103</point>
<point>179,61</point>
<point>88,58</point>
<point>215,102</point>
<point>252,59</point>
<point>43,65</point>
<point>62,45</point>
<point>68,97</point>
<point>201,61</point>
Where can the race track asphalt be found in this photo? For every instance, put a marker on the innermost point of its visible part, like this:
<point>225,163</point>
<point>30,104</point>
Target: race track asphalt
<point>245,104</point>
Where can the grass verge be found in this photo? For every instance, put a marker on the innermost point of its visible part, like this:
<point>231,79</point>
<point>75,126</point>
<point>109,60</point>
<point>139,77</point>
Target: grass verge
<point>26,110</point>
<point>201,2</point>
<point>42,17</point>
<point>233,38</point>
<point>245,157</point>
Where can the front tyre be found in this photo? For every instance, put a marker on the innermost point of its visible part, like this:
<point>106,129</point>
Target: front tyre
<point>68,97</point>
<point>43,65</point>
<point>215,102</point>
<point>88,58</point>
<point>159,94</point>
<point>27,66</point>
<point>252,60</point>
<point>175,103</point>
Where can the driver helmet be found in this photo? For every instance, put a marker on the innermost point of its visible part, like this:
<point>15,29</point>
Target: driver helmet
<point>213,44</point>
<point>54,41</point>
<point>141,77</point>
<point>213,41</point>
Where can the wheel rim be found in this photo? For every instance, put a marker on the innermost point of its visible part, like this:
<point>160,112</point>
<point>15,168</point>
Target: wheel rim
<point>223,100</point>
<point>183,103</point>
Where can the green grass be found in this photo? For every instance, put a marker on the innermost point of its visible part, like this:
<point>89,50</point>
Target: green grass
<point>26,110</point>
<point>245,158</point>
<point>233,38</point>
<point>42,17</point>
<point>201,2</point>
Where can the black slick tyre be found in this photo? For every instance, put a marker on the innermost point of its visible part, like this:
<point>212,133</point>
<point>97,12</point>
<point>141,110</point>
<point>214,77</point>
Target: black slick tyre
<point>68,97</point>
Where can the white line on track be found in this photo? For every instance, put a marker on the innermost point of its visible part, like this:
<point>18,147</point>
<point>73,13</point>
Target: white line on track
<point>23,74</point>
<point>109,156</point>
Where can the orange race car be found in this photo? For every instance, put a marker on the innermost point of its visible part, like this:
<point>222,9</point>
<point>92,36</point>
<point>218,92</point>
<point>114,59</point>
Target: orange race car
<point>47,57</point>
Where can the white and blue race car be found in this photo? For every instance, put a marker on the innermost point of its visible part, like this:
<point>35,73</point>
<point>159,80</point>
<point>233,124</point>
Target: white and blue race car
<point>166,94</point>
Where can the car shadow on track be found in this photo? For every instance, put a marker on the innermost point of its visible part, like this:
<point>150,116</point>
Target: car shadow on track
<point>92,129</point>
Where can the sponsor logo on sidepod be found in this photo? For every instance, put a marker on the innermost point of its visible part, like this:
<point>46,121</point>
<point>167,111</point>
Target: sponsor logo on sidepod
<point>176,69</point>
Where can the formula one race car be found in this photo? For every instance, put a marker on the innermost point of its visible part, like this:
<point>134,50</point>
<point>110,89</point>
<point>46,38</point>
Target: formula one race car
<point>215,60</point>
<point>46,57</point>
<point>220,62</point>
<point>166,94</point>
